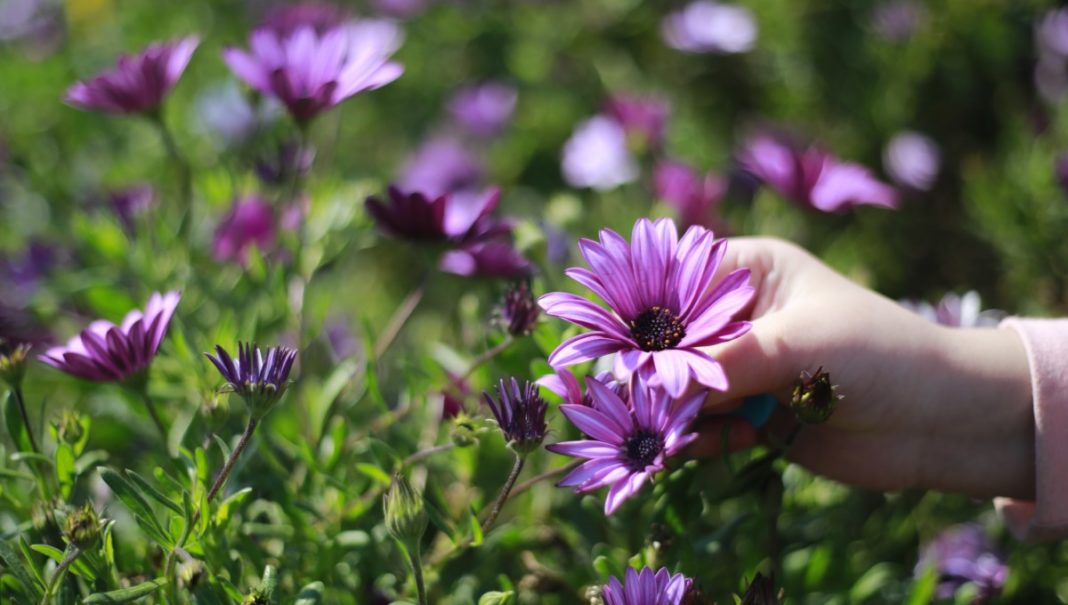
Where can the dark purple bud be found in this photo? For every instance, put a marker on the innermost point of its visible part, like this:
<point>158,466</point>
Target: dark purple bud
<point>519,310</point>
<point>814,398</point>
<point>520,413</point>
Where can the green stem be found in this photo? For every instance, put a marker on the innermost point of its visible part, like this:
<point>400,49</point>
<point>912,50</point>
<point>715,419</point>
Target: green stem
<point>505,492</point>
<point>399,318</point>
<point>424,454</point>
<point>154,414</point>
<point>25,418</point>
<point>220,479</point>
<point>185,174</point>
<point>417,573</point>
<point>485,357</point>
<point>72,555</point>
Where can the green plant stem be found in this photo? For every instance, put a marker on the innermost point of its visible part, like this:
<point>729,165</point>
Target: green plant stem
<point>25,418</point>
<point>154,414</point>
<point>498,504</point>
<point>72,555</point>
<point>426,453</point>
<point>399,318</point>
<point>486,356</point>
<point>185,175</point>
<point>417,573</point>
<point>220,479</point>
<point>529,483</point>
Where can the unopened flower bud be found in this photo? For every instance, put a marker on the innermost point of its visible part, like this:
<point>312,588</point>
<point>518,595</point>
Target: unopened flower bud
<point>13,362</point>
<point>190,573</point>
<point>406,516</point>
<point>520,414</point>
<point>82,527</point>
<point>761,591</point>
<point>519,311</point>
<point>814,398</point>
<point>69,427</point>
<point>464,432</point>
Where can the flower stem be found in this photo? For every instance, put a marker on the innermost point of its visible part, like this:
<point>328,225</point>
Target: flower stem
<point>185,174</point>
<point>220,479</point>
<point>151,407</point>
<point>505,492</point>
<point>485,357</point>
<point>424,454</point>
<point>25,418</point>
<point>72,555</point>
<point>417,573</point>
<point>399,318</point>
<point>529,483</point>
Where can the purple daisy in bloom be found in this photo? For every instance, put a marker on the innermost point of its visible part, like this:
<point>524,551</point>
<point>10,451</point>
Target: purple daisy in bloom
<point>961,555</point>
<point>138,83</point>
<point>693,195</point>
<point>644,117</point>
<point>494,258</point>
<point>260,379</point>
<point>647,588</point>
<point>812,177</point>
<point>108,353</point>
<point>663,311</point>
<point>596,155</point>
<point>484,109</point>
<point>710,27</point>
<point>251,222</point>
<point>310,72</point>
<point>564,384</point>
<point>629,437</point>
<point>460,217</point>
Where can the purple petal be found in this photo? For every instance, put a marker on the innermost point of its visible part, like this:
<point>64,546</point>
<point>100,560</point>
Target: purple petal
<point>585,449</point>
<point>593,422</point>
<point>620,492</point>
<point>584,347</point>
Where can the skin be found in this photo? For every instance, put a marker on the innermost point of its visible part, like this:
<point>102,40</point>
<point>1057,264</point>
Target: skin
<point>925,406</point>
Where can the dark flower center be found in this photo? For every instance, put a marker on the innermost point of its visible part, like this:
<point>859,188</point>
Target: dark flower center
<point>657,329</point>
<point>642,448</point>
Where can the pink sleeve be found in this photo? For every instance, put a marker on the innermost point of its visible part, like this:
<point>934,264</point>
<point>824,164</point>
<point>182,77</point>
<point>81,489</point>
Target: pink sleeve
<point>1046,342</point>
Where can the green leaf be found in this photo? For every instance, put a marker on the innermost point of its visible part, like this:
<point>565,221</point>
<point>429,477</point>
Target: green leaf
<point>125,595</point>
<point>15,427</point>
<point>476,529</point>
<point>219,441</point>
<point>375,473</point>
<point>20,456</point>
<point>923,591</point>
<point>137,505</point>
<point>79,567</point>
<point>496,598</point>
<point>222,514</point>
<point>148,489</point>
<point>20,569</point>
<point>873,580</point>
<point>310,594</point>
<point>65,468</point>
<point>6,473</point>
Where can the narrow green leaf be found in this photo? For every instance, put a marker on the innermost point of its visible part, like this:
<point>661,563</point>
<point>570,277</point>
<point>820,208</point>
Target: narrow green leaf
<point>65,469</point>
<point>6,473</point>
<point>374,473</point>
<point>147,489</point>
<point>496,598</point>
<point>476,529</point>
<point>222,514</point>
<point>310,594</point>
<point>137,505</point>
<point>225,447</point>
<point>20,456</point>
<point>20,569</point>
<point>15,426</point>
<point>79,567</point>
<point>125,595</point>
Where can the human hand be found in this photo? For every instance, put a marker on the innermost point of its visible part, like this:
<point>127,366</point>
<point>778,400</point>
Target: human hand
<point>924,405</point>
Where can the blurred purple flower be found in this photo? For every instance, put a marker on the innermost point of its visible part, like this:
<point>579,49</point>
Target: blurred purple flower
<point>24,272</point>
<point>693,195</point>
<point>108,353</point>
<point>629,438</point>
<point>285,20</point>
<point>956,311</point>
<point>250,222</point>
<point>290,160</point>
<point>441,165</point>
<point>400,9</point>
<point>225,113</point>
<point>710,27</point>
<point>647,588</point>
<point>1051,35</point>
<point>131,202</point>
<point>460,217</point>
<point>343,343</point>
<point>812,177</point>
<point>897,20</point>
<point>962,555</point>
<point>492,258</point>
<point>663,308</point>
<point>912,160</point>
<point>557,243</point>
<point>597,156</point>
<point>484,109</point>
<point>1060,171</point>
<point>138,83</point>
<point>311,72</point>
<point>642,117</point>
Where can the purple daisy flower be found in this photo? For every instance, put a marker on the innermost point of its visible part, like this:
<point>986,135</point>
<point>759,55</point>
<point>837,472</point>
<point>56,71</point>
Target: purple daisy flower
<point>567,387</point>
<point>662,309</point>
<point>520,414</point>
<point>460,217</point>
<point>441,165</point>
<point>484,109</point>
<point>596,155</point>
<point>131,202</point>
<point>260,379</point>
<point>693,195</point>
<point>630,437</point>
<point>644,117</point>
<point>251,222</point>
<point>647,588</point>
<point>812,177</point>
<point>138,83</point>
<point>310,72</point>
<point>961,555</point>
<point>494,258</point>
<point>109,353</point>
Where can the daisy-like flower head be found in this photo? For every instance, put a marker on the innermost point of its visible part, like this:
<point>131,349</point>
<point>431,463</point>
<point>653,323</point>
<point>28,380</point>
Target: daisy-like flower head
<point>259,379</point>
<point>108,353</point>
<point>137,83</point>
<point>663,308</point>
<point>310,72</point>
<point>520,413</point>
<point>463,216</point>
<point>629,441</point>
<point>647,588</point>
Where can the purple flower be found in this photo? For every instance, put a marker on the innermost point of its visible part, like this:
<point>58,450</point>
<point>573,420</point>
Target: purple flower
<point>287,19</point>
<point>290,160</point>
<point>520,414</point>
<point>812,177</point>
<point>596,155</point>
<point>1051,35</point>
<point>25,272</point>
<point>961,555</point>
<point>693,195</point>
<point>1060,171</point>
<point>518,313</point>
<point>647,588</point>
<point>912,160</point>
<point>493,258</point>
<point>138,83</point>
<point>225,113</point>
<point>642,117</point>
<point>401,9</point>
<point>441,165</point>
<point>484,109</point>
<point>564,384</point>
<point>896,20</point>
<point>662,309</point>
<point>131,202</point>
<point>310,72</point>
<point>259,379</point>
<point>956,311</point>
<point>460,217</point>
<point>630,437</point>
<point>249,223</point>
<point>106,352</point>
<point>710,27</point>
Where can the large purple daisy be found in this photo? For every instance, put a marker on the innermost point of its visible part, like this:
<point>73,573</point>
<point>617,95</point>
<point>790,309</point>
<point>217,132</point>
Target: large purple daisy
<point>662,308</point>
<point>138,82</point>
<point>647,588</point>
<point>629,440</point>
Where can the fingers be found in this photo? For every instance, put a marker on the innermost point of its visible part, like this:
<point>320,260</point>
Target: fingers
<point>762,361</point>
<point>717,432</point>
